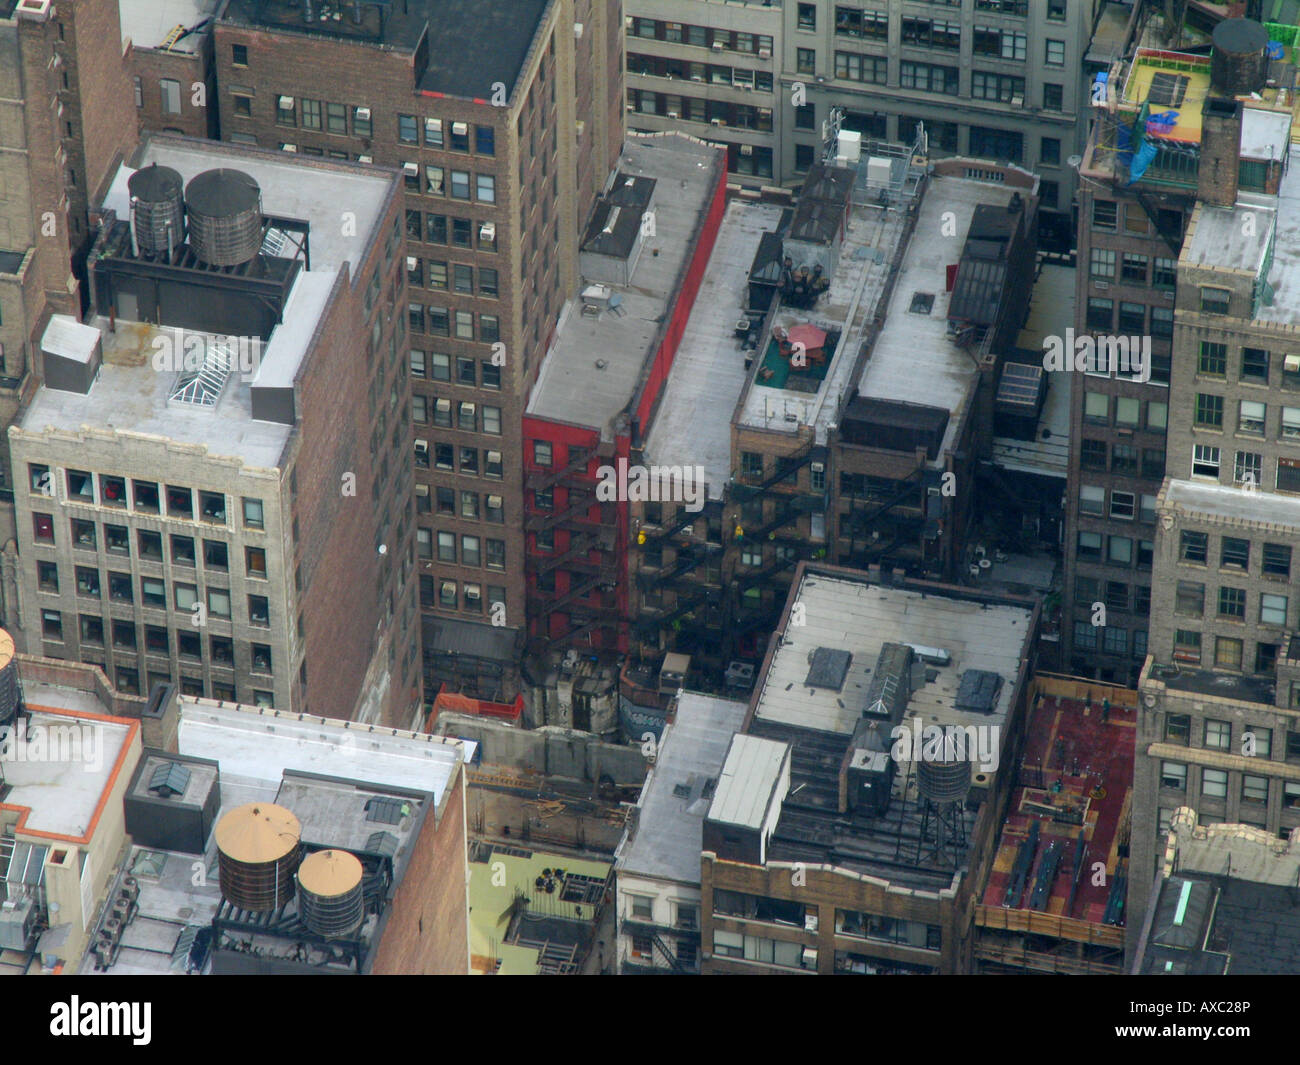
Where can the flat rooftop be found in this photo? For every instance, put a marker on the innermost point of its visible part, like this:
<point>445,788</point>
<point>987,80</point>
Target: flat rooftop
<point>860,617</point>
<point>748,782</point>
<point>866,255</point>
<point>129,395</point>
<point>1224,501</point>
<point>384,23</point>
<point>1222,238</point>
<point>473,44</point>
<point>693,426</point>
<point>913,360</point>
<point>152,23</point>
<point>1284,276</point>
<point>256,748</point>
<point>595,365</point>
<point>1090,755</point>
<point>670,826</point>
<point>60,768</point>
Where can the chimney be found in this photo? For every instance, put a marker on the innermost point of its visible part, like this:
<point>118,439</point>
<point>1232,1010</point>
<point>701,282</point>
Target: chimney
<point>1216,181</point>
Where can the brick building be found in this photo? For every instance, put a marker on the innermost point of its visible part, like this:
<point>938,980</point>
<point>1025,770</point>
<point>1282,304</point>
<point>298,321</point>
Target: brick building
<point>224,511</point>
<point>170,57</point>
<point>505,120</point>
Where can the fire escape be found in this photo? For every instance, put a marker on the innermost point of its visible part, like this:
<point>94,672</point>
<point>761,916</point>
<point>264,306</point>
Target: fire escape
<point>587,555</point>
<point>863,518</point>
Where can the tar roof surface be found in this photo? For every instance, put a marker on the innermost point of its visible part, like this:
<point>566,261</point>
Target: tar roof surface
<point>860,617</point>
<point>669,831</point>
<point>1284,277</point>
<point>473,44</point>
<point>693,426</point>
<point>403,20</point>
<point>570,386</point>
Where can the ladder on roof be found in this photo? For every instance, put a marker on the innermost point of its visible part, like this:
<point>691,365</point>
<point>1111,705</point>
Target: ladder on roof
<point>171,38</point>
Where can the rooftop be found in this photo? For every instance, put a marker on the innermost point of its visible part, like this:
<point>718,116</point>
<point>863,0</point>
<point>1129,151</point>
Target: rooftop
<point>129,395</point>
<point>913,360</point>
<point>380,22</point>
<point>595,364</point>
<point>473,44</point>
<point>155,23</point>
<point>669,828</point>
<point>857,616</point>
<point>1284,275</point>
<point>1221,237</point>
<point>866,256</point>
<point>748,783</point>
<point>255,748</point>
<point>1236,505</point>
<point>692,426</point>
<point>1090,754</point>
<point>60,765</point>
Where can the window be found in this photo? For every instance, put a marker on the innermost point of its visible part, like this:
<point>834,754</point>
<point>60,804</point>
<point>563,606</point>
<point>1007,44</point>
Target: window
<point>1092,454</point>
<point>1248,468</point>
<point>806,63</point>
<point>1205,459</point>
<point>1162,325</point>
<point>219,603</point>
<point>255,562</point>
<point>1214,783</point>
<point>470,551</point>
<point>153,592</point>
<point>460,185</point>
<point>1102,263</point>
<point>261,657</point>
<point>171,98</point>
<point>1189,599</point>
<point>1218,735</point>
<point>485,187</point>
<point>873,70</point>
<point>1235,554</point>
<point>1214,359</point>
<point>1127,411</point>
<point>1277,560</point>
<point>1232,603</point>
<point>361,122</point>
<point>1254,365</point>
<point>1187,646</point>
<point>1123,458</point>
<point>1105,215</point>
<point>1215,300</point>
<point>1089,546</point>
<point>485,140</point>
<point>1122,505</point>
<point>1085,636</point>
<point>406,129</point>
<point>1193,546</point>
<point>216,555</point>
<point>1250,418</point>
<point>83,534</point>
<point>1092,500</point>
<point>1178,728</point>
<point>1272,610</point>
<point>1120,550</point>
<point>1053,97</point>
<point>1209,410</point>
<point>929,78</point>
<point>52,624</point>
<point>180,502</point>
<point>1054,53</point>
<point>807,16</point>
<point>1101,313</point>
<point>1173,775</point>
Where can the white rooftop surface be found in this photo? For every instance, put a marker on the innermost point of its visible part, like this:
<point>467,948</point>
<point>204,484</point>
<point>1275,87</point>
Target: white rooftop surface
<point>289,189</point>
<point>257,748</point>
<point>1225,501</point>
<point>148,22</point>
<point>39,694</point>
<point>870,242</point>
<point>70,339</point>
<point>749,777</point>
<point>1285,274</point>
<point>62,793</point>
<point>913,360</point>
<point>1231,238</point>
<point>859,617</point>
<point>1265,134</point>
<point>130,396</point>
<point>693,423</point>
<point>670,828</point>
<point>570,386</point>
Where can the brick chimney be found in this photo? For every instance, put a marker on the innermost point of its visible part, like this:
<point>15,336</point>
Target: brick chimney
<point>1216,181</point>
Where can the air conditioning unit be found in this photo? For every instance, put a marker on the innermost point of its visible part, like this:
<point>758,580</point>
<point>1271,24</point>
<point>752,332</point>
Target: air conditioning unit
<point>422,447</point>
<point>577,31</point>
<point>717,46</point>
<point>363,113</point>
<point>817,467</point>
<point>697,77</point>
<point>631,107</point>
<point>487,231</point>
<point>746,149</point>
<point>765,53</point>
<point>1017,101</point>
<point>460,129</point>
<point>289,147</point>
<point>365,159</point>
<point>1101,284</point>
<point>411,169</point>
<point>286,103</point>
<point>673,114</point>
<point>715,122</point>
<point>1291,364</point>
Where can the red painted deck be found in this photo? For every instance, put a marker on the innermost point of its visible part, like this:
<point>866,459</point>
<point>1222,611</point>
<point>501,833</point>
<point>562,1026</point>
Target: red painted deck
<point>1092,760</point>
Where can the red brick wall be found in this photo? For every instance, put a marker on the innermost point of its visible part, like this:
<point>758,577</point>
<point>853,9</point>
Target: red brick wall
<point>428,925</point>
<point>151,67</point>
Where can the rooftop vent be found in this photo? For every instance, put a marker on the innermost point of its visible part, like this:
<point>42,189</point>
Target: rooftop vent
<point>977,692</point>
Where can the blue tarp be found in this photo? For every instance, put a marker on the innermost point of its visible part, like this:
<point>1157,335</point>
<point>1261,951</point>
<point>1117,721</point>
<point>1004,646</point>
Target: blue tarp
<point>1141,160</point>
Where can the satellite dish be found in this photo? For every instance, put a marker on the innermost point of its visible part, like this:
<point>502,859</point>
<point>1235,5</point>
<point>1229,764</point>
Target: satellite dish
<point>1075,160</point>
